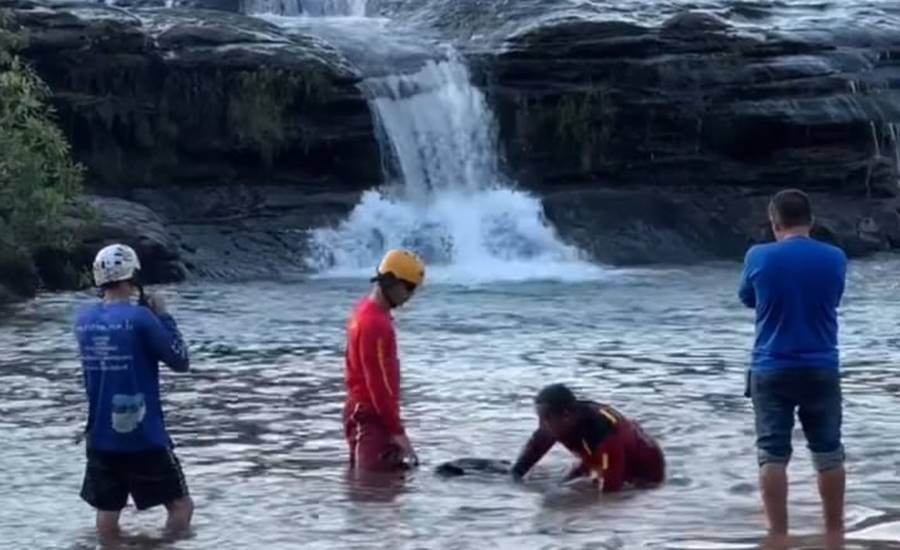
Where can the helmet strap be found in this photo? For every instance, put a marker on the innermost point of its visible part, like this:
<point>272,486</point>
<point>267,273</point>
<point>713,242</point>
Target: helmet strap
<point>142,297</point>
<point>384,284</point>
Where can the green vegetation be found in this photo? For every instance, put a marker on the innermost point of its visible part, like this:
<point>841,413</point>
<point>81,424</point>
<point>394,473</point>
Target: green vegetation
<point>37,174</point>
<point>262,100</point>
<point>581,122</point>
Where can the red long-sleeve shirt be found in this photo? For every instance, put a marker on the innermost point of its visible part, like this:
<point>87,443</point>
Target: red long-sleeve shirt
<point>609,445</point>
<point>372,370</point>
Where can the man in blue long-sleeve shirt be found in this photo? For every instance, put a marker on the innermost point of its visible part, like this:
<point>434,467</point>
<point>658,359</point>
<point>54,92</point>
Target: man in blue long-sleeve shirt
<point>121,344</point>
<point>795,285</point>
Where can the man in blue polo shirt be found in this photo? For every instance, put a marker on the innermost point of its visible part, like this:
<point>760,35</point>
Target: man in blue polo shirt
<point>795,285</point>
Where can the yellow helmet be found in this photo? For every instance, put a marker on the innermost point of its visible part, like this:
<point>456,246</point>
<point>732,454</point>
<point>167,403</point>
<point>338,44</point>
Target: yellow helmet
<point>403,265</point>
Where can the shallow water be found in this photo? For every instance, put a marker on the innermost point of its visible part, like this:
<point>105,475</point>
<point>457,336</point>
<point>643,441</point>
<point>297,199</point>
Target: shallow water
<point>258,431</point>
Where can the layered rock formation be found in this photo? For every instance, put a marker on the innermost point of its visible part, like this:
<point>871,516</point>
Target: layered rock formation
<point>151,97</point>
<point>173,100</point>
<point>698,121</point>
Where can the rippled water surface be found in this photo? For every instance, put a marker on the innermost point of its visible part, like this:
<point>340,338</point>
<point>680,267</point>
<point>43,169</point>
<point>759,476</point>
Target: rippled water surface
<point>258,431</point>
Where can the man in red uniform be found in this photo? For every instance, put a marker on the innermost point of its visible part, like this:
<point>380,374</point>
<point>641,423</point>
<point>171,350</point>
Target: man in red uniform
<point>375,435</point>
<point>613,450</point>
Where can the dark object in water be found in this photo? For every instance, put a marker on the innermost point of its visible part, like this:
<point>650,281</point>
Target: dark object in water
<point>467,466</point>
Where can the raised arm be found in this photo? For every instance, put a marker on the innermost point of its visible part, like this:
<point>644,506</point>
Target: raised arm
<point>164,340</point>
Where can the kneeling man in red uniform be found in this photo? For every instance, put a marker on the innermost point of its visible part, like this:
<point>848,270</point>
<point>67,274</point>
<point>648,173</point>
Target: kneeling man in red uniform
<point>612,450</point>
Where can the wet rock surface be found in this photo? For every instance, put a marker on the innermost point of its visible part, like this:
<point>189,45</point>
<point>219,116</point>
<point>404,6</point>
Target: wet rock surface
<point>677,134</point>
<point>163,97</point>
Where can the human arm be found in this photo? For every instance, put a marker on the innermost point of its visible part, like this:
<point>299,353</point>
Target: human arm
<point>579,470</point>
<point>163,336</point>
<point>842,273</point>
<point>535,448</point>
<point>746,291</point>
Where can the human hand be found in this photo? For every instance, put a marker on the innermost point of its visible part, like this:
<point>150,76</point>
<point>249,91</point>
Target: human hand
<point>156,303</point>
<point>406,447</point>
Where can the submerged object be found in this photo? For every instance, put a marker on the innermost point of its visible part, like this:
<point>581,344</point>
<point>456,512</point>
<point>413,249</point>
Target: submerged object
<point>468,466</point>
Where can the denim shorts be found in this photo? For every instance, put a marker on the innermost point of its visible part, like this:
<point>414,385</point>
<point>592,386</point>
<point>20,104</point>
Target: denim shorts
<point>815,393</point>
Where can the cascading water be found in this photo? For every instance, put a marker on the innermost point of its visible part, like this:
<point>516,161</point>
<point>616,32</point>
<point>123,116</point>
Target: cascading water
<point>447,198</point>
<point>438,128</point>
<point>893,131</point>
<point>334,8</point>
<point>452,205</point>
<point>311,8</point>
<point>290,8</point>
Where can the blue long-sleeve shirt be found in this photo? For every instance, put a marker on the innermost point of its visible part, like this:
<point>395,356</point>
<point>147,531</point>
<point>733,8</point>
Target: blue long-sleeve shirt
<point>121,346</point>
<point>795,286</point>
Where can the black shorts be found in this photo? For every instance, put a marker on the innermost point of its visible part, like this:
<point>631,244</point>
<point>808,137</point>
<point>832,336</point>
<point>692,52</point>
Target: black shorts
<point>151,477</point>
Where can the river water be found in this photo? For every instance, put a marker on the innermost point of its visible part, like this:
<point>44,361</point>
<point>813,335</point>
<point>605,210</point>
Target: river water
<point>257,421</point>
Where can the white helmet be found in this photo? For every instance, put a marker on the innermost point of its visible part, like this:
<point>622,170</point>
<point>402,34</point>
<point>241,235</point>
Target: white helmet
<point>116,262</point>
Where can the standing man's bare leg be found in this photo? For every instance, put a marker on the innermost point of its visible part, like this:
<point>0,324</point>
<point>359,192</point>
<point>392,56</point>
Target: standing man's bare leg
<point>774,487</point>
<point>108,526</point>
<point>181,511</point>
<point>831,488</point>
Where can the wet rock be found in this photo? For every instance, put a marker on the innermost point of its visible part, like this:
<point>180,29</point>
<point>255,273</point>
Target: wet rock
<point>232,6</point>
<point>626,104</point>
<point>117,220</point>
<point>237,232</point>
<point>644,225</point>
<point>150,97</point>
<point>94,223</point>
<point>99,221</point>
<point>233,136</point>
<point>693,23</point>
<point>648,225</point>
<point>694,106</point>
<point>18,275</point>
<point>859,226</point>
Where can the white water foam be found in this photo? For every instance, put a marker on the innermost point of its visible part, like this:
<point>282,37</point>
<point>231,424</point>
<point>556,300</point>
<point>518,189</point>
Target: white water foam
<point>453,205</point>
<point>492,235</point>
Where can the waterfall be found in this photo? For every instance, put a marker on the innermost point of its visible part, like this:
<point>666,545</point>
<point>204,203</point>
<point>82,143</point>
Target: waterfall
<point>452,203</point>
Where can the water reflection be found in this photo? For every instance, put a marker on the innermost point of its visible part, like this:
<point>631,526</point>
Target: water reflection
<point>377,487</point>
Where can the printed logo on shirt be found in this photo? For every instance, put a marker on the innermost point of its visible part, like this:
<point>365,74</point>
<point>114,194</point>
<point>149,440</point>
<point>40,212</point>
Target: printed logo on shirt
<point>125,325</point>
<point>127,412</point>
<point>100,353</point>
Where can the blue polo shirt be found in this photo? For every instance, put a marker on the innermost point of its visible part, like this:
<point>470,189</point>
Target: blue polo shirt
<point>795,286</point>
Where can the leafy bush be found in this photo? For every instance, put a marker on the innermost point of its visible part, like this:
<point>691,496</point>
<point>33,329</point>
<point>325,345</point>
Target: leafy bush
<point>37,174</point>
